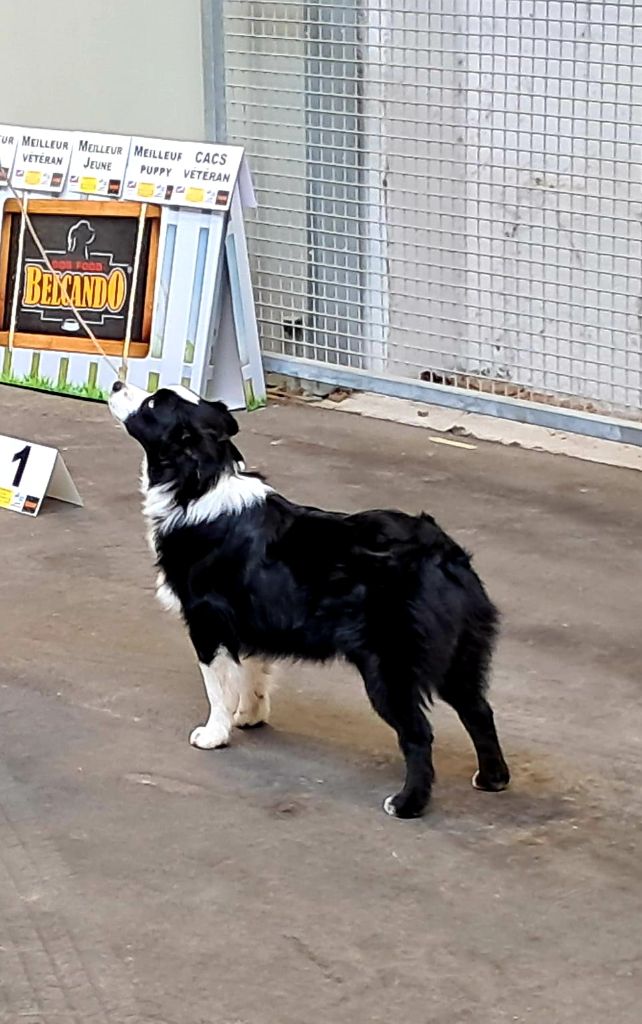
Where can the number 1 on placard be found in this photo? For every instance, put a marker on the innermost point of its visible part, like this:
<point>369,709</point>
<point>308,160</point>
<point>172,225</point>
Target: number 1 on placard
<point>21,458</point>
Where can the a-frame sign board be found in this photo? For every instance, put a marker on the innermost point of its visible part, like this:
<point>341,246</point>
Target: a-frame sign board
<point>150,236</point>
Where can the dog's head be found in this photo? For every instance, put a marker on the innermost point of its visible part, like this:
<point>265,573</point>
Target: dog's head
<point>187,440</point>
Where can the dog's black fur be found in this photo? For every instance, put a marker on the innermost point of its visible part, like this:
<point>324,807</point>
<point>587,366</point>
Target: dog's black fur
<point>389,592</point>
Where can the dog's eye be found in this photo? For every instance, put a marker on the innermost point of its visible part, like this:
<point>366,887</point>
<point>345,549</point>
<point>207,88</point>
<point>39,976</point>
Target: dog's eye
<point>150,404</point>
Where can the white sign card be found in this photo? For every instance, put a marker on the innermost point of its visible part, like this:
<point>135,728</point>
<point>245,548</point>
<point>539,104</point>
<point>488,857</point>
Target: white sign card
<point>197,174</point>
<point>98,164</point>
<point>42,159</point>
<point>8,145</point>
<point>31,472</point>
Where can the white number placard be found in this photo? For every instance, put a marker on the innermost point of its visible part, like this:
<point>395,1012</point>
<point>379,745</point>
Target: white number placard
<point>30,472</point>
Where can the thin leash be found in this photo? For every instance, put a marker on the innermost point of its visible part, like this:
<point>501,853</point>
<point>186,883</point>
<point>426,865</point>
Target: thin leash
<point>119,371</point>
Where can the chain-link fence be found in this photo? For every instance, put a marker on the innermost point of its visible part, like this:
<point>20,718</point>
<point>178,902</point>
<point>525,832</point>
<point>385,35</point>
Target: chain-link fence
<point>449,189</point>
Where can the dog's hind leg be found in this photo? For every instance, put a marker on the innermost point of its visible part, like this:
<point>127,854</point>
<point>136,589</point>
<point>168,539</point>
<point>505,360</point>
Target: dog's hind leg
<point>400,704</point>
<point>254,697</point>
<point>222,677</point>
<point>464,687</point>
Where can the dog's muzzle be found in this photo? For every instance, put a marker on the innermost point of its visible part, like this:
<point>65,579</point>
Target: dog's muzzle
<point>125,399</point>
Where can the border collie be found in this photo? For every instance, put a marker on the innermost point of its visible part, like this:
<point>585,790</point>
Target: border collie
<point>257,578</point>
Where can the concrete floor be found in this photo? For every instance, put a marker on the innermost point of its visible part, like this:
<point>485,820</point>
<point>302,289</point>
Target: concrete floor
<point>144,882</point>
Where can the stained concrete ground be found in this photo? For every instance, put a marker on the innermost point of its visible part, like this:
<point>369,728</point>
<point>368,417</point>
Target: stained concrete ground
<point>142,881</point>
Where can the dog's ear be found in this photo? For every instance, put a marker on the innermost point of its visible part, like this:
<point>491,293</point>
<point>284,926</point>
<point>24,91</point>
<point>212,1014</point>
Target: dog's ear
<point>219,420</point>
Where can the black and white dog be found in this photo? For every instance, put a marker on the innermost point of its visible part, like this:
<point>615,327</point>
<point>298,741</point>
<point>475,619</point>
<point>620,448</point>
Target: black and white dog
<point>258,578</point>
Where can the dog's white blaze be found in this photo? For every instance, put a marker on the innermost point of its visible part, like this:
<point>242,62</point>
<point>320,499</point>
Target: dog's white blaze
<point>126,401</point>
<point>129,399</point>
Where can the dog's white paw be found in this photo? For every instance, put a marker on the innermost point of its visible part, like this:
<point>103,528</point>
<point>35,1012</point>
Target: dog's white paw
<point>389,807</point>
<point>495,784</point>
<point>255,712</point>
<point>208,737</point>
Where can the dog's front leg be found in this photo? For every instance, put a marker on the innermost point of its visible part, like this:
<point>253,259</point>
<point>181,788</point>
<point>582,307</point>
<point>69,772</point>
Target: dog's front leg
<point>223,680</point>
<point>212,632</point>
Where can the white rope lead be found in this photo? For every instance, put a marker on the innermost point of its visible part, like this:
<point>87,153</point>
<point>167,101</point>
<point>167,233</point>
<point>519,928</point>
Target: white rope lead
<point>132,293</point>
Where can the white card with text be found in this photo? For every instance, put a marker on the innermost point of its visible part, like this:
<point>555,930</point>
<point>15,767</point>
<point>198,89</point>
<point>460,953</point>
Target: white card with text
<point>42,159</point>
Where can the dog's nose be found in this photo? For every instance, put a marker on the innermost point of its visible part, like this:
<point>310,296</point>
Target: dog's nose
<point>117,386</point>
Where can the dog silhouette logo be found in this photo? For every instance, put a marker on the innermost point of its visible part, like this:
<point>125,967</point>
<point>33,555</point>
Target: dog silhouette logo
<point>79,238</point>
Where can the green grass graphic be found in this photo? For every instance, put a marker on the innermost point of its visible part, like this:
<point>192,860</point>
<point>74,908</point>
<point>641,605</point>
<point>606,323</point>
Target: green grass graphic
<point>92,391</point>
<point>30,380</point>
<point>256,403</point>
<point>251,401</point>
